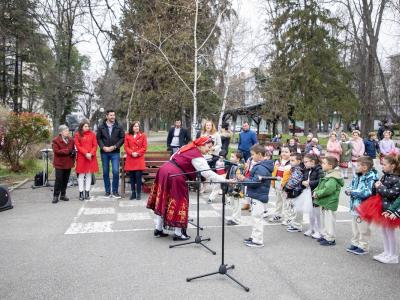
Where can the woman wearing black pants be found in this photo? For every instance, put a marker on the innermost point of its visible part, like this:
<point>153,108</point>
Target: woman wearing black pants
<point>64,159</point>
<point>135,147</point>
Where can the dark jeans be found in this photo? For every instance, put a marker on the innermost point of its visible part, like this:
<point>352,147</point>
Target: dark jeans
<point>62,177</point>
<point>246,154</point>
<point>105,160</point>
<point>136,181</point>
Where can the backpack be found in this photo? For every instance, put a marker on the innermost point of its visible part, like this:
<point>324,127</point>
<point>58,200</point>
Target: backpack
<point>38,180</point>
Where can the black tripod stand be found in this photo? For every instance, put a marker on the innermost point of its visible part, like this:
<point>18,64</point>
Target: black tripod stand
<point>223,268</point>
<point>45,156</point>
<point>198,239</point>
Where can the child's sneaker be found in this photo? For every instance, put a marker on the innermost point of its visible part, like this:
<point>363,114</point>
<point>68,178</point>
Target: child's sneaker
<point>351,249</point>
<point>308,232</point>
<point>316,235</point>
<point>275,219</point>
<point>389,259</point>
<point>321,239</point>
<point>209,201</point>
<point>285,223</point>
<point>254,245</point>
<point>231,223</point>
<point>360,251</point>
<point>327,243</point>
<point>379,256</point>
<point>293,229</point>
<point>248,240</point>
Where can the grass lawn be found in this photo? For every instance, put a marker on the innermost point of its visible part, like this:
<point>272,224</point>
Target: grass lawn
<point>32,166</point>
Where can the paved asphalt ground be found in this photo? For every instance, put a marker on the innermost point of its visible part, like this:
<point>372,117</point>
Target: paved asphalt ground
<point>105,249</point>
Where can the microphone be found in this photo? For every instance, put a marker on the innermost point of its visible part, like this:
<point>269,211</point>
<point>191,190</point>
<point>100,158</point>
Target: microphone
<point>265,178</point>
<point>228,162</point>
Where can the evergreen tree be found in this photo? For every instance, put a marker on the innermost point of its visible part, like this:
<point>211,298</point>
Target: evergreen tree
<point>307,64</point>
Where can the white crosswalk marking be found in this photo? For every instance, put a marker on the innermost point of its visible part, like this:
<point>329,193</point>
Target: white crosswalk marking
<point>204,214</point>
<point>99,211</point>
<point>133,216</point>
<point>105,215</point>
<point>90,227</point>
<point>130,203</point>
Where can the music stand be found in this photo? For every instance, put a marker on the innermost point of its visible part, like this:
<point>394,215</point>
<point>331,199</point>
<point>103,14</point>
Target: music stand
<point>223,268</point>
<point>198,239</point>
<point>45,157</point>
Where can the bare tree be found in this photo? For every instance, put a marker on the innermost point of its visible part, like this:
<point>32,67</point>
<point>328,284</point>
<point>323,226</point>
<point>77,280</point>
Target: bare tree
<point>58,19</point>
<point>366,18</point>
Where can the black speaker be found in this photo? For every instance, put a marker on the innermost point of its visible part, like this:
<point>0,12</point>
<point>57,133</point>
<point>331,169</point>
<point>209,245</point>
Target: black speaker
<point>5,199</point>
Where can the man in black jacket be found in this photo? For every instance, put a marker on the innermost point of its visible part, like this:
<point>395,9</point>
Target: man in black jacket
<point>177,137</point>
<point>110,137</point>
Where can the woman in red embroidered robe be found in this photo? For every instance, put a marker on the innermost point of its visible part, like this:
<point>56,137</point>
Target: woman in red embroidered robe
<point>169,197</point>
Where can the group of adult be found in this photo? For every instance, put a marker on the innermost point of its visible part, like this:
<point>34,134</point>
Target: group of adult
<point>81,149</point>
<point>348,149</point>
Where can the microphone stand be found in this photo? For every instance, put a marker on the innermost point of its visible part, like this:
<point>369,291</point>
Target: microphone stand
<point>198,239</point>
<point>223,268</point>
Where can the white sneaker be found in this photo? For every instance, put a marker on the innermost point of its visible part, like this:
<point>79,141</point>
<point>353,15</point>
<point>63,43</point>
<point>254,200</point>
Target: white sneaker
<point>389,259</point>
<point>254,245</point>
<point>316,235</point>
<point>285,223</point>
<point>378,257</point>
<point>308,232</point>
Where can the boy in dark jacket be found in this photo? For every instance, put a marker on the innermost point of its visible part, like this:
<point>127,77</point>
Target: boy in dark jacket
<point>257,191</point>
<point>293,189</point>
<point>372,147</point>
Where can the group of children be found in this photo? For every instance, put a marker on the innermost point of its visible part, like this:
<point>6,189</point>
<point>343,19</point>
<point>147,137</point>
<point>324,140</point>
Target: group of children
<point>307,179</point>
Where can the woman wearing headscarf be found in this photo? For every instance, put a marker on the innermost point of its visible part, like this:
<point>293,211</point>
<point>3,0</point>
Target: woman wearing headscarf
<point>169,197</point>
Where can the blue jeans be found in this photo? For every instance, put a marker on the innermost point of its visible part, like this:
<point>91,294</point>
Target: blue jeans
<point>105,160</point>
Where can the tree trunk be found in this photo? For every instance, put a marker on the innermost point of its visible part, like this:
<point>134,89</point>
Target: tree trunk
<point>274,128</point>
<point>3,94</point>
<point>146,125</point>
<point>194,122</point>
<point>16,79</point>
<point>285,125</point>
<point>234,119</point>
<point>326,124</point>
<point>306,127</point>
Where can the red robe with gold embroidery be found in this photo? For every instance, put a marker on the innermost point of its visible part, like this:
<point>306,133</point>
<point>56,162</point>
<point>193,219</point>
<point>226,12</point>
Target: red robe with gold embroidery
<point>169,197</point>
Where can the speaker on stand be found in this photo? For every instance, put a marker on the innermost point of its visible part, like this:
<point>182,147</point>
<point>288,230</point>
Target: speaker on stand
<point>5,199</point>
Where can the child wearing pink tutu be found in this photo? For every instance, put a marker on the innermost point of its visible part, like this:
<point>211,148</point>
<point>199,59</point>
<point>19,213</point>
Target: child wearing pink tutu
<point>381,208</point>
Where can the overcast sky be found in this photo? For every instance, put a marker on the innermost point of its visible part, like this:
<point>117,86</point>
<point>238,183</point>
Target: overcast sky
<point>251,13</point>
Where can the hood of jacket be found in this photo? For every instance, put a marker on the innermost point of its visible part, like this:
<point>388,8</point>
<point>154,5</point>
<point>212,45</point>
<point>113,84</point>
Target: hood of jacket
<point>269,164</point>
<point>371,174</point>
<point>335,173</point>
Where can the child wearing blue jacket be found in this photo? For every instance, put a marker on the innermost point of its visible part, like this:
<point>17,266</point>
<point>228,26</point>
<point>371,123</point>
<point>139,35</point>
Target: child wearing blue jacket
<point>361,188</point>
<point>257,191</point>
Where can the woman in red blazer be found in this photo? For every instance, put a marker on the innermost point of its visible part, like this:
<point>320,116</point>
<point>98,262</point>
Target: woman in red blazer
<point>86,161</point>
<point>63,162</point>
<point>135,147</point>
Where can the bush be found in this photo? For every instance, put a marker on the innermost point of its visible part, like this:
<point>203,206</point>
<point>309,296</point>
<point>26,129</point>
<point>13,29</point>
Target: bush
<point>21,131</point>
